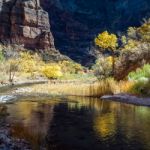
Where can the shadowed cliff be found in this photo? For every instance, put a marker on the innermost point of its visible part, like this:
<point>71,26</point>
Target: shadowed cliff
<point>75,23</point>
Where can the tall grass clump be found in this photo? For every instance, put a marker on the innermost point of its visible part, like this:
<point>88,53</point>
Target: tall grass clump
<point>96,89</point>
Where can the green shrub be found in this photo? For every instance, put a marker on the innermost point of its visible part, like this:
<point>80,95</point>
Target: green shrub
<point>1,54</point>
<point>141,88</point>
<point>142,84</point>
<point>140,73</point>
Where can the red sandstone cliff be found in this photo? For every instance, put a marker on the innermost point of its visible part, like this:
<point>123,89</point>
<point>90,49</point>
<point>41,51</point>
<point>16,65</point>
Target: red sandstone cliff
<point>25,22</point>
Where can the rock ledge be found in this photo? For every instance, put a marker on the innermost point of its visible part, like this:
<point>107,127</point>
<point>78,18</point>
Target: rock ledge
<point>129,99</point>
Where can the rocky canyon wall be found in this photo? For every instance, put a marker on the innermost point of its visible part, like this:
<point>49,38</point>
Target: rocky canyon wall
<point>25,22</point>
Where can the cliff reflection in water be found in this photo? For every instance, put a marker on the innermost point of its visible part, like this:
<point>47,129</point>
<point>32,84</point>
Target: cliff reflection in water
<point>80,123</point>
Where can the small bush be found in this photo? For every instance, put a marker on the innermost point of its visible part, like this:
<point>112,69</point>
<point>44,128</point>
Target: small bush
<point>30,63</point>
<point>12,68</point>
<point>141,77</point>
<point>103,67</point>
<point>52,71</point>
<point>70,67</point>
<point>140,88</point>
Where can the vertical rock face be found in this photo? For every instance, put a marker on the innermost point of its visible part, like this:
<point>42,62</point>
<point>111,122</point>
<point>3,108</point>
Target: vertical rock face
<point>25,22</point>
<point>75,23</point>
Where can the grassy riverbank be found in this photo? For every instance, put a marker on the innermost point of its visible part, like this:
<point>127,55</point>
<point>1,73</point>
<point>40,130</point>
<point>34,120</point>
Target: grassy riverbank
<point>78,88</point>
<point>67,77</point>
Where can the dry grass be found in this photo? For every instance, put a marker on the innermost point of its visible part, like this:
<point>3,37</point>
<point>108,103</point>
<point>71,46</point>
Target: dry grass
<point>125,86</point>
<point>3,73</point>
<point>97,89</point>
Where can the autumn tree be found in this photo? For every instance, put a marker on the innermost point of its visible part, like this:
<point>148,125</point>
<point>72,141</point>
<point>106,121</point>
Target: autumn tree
<point>107,41</point>
<point>52,71</point>
<point>103,67</point>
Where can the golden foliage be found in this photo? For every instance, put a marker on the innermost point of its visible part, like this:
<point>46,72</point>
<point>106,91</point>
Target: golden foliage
<point>70,67</point>
<point>130,44</point>
<point>107,41</point>
<point>104,125</point>
<point>109,60</point>
<point>141,34</point>
<point>30,63</point>
<point>144,32</point>
<point>52,71</point>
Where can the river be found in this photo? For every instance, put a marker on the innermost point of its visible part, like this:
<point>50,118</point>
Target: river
<point>76,123</point>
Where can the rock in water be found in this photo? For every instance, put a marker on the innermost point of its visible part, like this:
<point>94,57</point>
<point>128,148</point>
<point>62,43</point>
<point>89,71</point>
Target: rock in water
<point>5,98</point>
<point>25,22</point>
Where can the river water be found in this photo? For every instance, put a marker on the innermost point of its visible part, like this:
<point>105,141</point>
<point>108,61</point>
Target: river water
<point>75,123</point>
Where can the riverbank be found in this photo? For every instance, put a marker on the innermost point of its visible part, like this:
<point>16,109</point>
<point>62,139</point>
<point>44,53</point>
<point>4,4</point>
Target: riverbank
<point>89,88</point>
<point>9,86</point>
<point>128,99</point>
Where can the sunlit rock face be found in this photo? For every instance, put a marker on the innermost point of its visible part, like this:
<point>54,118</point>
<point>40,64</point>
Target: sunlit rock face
<point>25,22</point>
<point>75,23</point>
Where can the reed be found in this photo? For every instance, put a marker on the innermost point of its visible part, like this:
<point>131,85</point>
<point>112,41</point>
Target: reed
<point>96,89</point>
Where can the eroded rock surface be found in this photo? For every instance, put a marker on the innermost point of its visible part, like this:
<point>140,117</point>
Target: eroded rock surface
<point>25,22</point>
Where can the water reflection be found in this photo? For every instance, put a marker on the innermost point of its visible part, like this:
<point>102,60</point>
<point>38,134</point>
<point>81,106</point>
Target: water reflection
<point>125,124</point>
<point>3,114</point>
<point>30,120</point>
<point>80,124</point>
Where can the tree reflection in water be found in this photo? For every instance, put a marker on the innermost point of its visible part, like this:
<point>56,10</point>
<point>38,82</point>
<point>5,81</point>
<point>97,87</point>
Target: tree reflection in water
<point>75,123</point>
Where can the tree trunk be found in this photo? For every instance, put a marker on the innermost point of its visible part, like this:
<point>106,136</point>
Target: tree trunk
<point>113,62</point>
<point>10,74</point>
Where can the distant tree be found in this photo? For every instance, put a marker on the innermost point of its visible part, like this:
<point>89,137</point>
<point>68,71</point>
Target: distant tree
<point>108,41</point>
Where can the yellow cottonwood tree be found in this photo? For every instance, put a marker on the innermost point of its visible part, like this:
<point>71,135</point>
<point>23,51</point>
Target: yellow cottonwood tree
<point>109,41</point>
